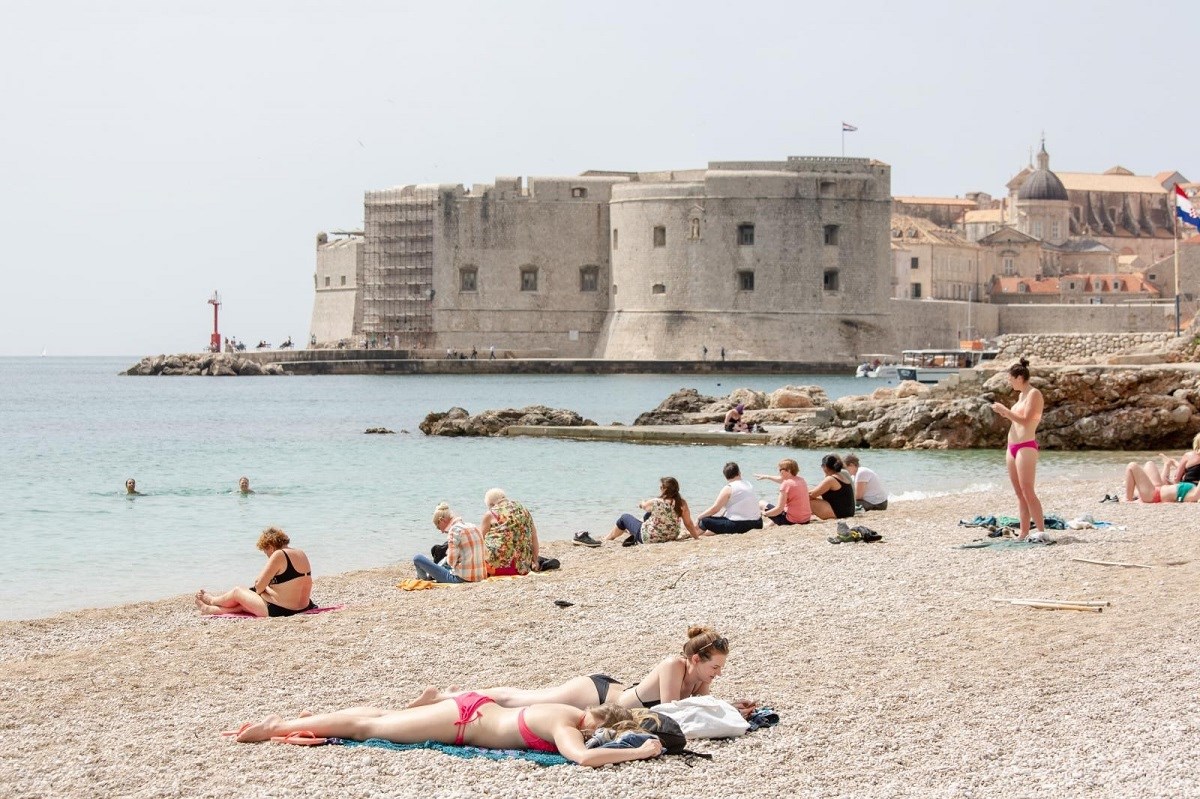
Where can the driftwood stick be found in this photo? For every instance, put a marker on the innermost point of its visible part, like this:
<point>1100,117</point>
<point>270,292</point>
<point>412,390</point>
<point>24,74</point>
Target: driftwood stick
<point>1092,603</point>
<point>1113,563</point>
<point>1030,603</point>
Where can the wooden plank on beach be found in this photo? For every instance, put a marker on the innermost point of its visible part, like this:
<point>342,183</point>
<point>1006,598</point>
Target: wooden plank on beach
<point>1032,603</point>
<point>1095,603</point>
<point>1113,563</point>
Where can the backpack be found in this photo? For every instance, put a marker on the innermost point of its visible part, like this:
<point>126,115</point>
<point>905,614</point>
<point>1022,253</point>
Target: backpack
<point>669,734</point>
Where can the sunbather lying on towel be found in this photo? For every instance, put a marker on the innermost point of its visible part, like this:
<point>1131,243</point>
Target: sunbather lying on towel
<point>469,719</point>
<point>677,677</point>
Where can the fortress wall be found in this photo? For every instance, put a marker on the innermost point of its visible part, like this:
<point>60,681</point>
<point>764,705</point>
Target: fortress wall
<point>337,309</point>
<point>697,277</point>
<point>932,324</point>
<point>1086,318</point>
<point>498,234</point>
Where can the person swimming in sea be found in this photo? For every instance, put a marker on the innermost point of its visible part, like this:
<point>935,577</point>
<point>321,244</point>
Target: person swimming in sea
<point>244,486</point>
<point>131,488</point>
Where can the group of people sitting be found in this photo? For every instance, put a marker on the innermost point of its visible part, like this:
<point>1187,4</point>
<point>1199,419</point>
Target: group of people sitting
<point>845,487</point>
<point>559,719</point>
<point>1174,481</point>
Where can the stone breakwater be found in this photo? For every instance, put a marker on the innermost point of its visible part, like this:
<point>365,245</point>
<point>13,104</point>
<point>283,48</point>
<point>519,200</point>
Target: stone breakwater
<point>1080,348</point>
<point>1094,407</point>
<point>202,364</point>
<point>459,421</point>
<point>688,406</point>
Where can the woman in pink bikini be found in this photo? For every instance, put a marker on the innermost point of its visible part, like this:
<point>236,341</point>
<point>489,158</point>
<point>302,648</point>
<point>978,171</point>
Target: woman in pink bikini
<point>469,719</point>
<point>1022,457</point>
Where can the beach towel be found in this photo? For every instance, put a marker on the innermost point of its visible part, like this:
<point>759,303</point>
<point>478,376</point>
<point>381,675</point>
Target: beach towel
<point>466,752</point>
<point>1004,543</point>
<point>418,585</point>
<point>243,615</point>
<point>1052,522</point>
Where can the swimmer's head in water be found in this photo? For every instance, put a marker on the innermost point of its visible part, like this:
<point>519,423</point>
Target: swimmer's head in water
<point>244,484</point>
<point>131,485</point>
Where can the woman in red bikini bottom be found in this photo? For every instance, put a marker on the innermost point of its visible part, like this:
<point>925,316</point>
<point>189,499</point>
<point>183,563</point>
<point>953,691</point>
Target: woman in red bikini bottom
<point>471,719</point>
<point>1022,451</point>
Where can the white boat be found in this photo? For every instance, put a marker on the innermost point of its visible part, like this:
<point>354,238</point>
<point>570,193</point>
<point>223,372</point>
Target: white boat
<point>876,365</point>
<point>930,366</point>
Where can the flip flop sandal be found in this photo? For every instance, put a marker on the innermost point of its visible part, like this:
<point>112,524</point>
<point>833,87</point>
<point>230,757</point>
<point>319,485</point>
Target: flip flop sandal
<point>300,738</point>
<point>238,731</point>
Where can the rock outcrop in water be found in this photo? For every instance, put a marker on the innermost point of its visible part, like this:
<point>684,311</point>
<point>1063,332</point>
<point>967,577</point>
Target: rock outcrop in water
<point>1086,408</point>
<point>459,422</point>
<point>688,406</point>
<point>202,364</point>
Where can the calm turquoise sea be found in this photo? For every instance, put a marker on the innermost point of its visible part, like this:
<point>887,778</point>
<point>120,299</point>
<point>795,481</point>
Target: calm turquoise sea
<point>73,431</point>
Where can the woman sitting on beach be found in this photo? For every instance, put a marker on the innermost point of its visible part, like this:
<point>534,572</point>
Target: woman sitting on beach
<point>1152,486</point>
<point>734,423</point>
<point>469,719</point>
<point>833,497</point>
<point>283,588</point>
<point>794,505</point>
<point>664,514</point>
<point>510,537</point>
<point>689,673</point>
<point>1187,468</point>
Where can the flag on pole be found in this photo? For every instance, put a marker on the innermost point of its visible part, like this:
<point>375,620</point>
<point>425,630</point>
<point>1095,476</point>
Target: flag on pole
<point>1184,208</point>
<point>848,128</point>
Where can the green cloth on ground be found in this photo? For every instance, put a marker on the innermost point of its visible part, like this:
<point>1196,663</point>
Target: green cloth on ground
<point>466,752</point>
<point>1003,543</point>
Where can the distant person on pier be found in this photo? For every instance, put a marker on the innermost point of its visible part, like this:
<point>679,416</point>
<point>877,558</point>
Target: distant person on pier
<point>244,486</point>
<point>492,353</point>
<point>735,510</point>
<point>868,488</point>
<point>793,505</point>
<point>664,514</point>
<point>510,537</point>
<point>722,353</point>
<point>704,353</point>
<point>464,551</point>
<point>131,488</point>
<point>474,353</point>
<point>734,423</point>
<point>283,587</point>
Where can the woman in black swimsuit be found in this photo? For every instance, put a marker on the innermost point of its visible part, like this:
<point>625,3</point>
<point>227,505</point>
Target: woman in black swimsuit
<point>283,588</point>
<point>833,497</point>
<point>689,673</point>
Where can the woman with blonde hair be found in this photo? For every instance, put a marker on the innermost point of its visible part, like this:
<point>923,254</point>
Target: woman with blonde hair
<point>283,587</point>
<point>469,719</point>
<point>464,551</point>
<point>510,537</point>
<point>690,673</point>
<point>664,514</point>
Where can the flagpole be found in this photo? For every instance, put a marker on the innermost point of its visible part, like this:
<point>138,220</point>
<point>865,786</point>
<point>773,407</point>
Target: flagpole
<point>843,140</point>
<point>1175,237</point>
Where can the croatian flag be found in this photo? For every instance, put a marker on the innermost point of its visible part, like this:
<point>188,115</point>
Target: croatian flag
<point>848,128</point>
<point>1184,208</point>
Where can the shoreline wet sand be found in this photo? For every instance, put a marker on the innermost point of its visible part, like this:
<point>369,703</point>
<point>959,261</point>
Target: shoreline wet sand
<point>893,671</point>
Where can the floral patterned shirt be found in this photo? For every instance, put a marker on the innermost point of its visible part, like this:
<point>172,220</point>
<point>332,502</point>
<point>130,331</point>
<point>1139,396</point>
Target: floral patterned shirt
<point>663,524</point>
<point>509,539</point>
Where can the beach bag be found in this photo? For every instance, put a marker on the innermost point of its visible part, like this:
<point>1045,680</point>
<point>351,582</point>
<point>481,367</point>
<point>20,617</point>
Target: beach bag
<point>667,729</point>
<point>705,717</point>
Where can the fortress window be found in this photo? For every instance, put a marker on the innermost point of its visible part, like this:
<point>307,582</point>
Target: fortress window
<point>916,291</point>
<point>746,280</point>
<point>614,238</point>
<point>660,236</point>
<point>746,234</point>
<point>828,188</point>
<point>343,280</point>
<point>327,281</point>
<point>695,233</point>
<point>914,263</point>
<point>831,280</point>
<point>831,234</point>
<point>529,278</point>
<point>589,278</point>
<point>658,288</point>
<point>468,279</point>
<point>578,191</point>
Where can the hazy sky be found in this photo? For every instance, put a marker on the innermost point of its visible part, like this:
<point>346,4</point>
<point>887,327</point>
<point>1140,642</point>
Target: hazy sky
<point>151,152</point>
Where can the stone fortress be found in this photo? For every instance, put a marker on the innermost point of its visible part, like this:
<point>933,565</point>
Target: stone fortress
<point>774,260</point>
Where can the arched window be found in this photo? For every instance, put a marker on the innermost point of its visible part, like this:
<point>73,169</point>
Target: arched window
<point>695,231</point>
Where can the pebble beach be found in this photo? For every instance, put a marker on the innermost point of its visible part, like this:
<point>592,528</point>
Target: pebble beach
<point>894,671</point>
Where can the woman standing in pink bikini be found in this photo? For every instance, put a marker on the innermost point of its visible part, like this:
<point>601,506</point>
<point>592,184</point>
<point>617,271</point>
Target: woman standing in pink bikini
<point>1022,457</point>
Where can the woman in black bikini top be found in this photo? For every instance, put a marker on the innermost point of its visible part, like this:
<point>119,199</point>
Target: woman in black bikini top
<point>833,497</point>
<point>280,590</point>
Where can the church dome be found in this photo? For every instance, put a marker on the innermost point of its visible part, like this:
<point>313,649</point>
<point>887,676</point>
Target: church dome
<point>1042,184</point>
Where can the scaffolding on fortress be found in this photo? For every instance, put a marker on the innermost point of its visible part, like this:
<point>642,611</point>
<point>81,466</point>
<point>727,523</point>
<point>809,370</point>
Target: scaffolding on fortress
<point>397,291</point>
